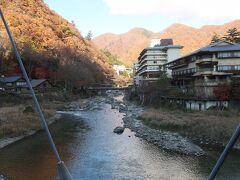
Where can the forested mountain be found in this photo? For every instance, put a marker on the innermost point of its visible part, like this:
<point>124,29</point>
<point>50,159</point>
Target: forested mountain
<point>127,46</point>
<point>51,46</point>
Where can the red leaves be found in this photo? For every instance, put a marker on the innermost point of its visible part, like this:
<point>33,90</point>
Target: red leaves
<point>222,92</point>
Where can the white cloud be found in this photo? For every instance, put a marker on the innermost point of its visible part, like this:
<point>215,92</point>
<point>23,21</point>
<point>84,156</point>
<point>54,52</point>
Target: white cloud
<point>187,9</point>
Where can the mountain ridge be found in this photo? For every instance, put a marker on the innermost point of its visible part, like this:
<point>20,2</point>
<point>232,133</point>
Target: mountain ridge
<point>190,37</point>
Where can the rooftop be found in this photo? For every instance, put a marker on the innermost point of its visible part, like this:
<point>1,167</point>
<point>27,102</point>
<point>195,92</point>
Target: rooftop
<point>34,83</point>
<point>9,79</point>
<point>215,47</point>
<point>166,42</point>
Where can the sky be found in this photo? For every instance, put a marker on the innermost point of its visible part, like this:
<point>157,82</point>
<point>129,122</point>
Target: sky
<point>119,16</point>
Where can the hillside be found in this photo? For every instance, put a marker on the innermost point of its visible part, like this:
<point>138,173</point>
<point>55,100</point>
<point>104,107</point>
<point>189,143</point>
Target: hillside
<point>43,35</point>
<point>127,46</point>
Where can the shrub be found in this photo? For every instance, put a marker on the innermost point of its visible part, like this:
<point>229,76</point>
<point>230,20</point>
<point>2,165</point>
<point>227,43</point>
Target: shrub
<point>28,109</point>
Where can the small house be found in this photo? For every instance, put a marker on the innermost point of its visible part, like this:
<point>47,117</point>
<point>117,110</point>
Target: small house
<point>10,83</point>
<point>39,85</point>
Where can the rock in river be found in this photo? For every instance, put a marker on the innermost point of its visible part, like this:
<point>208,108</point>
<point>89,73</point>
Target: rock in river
<point>118,130</point>
<point>122,107</point>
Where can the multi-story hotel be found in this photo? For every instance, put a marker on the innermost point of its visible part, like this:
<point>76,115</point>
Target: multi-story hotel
<point>149,67</point>
<point>205,69</point>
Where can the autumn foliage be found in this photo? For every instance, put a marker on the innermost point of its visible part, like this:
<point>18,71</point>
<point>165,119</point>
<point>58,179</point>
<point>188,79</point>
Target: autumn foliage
<point>49,45</point>
<point>222,92</point>
<point>127,46</point>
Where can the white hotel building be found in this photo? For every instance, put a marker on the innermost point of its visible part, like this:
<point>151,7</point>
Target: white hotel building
<point>149,67</point>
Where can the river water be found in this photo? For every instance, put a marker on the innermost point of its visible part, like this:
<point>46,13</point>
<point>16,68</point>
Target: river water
<point>92,151</point>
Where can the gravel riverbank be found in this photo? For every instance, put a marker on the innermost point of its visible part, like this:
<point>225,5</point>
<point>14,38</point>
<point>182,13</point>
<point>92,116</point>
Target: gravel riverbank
<point>164,139</point>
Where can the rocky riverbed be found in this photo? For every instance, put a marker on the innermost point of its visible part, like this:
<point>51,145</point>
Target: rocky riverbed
<point>164,139</point>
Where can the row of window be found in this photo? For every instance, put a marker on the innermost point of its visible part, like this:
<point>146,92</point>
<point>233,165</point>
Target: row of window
<point>219,55</point>
<point>153,68</point>
<point>229,68</point>
<point>228,54</point>
<point>154,57</point>
<point>219,68</point>
<point>156,52</point>
<point>184,72</point>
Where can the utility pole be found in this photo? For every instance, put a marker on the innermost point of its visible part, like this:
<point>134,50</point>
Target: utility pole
<point>64,174</point>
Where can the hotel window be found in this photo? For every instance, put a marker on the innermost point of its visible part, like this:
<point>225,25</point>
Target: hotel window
<point>228,54</point>
<point>225,68</point>
<point>193,58</point>
<point>228,68</point>
<point>236,54</point>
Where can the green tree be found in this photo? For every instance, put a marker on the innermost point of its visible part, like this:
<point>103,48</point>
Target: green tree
<point>163,84</point>
<point>89,36</point>
<point>215,38</point>
<point>233,35</point>
<point>112,59</point>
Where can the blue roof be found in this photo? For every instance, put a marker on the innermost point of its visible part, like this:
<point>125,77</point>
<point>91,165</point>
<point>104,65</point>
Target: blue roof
<point>232,47</point>
<point>37,82</point>
<point>215,47</point>
<point>34,83</point>
<point>9,79</point>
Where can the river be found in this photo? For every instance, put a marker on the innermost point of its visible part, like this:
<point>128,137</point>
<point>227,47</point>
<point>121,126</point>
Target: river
<point>92,151</point>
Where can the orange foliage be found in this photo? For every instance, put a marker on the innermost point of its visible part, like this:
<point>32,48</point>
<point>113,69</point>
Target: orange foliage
<point>46,34</point>
<point>127,46</point>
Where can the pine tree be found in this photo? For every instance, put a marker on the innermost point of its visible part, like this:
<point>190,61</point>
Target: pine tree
<point>89,36</point>
<point>215,38</point>
<point>233,35</point>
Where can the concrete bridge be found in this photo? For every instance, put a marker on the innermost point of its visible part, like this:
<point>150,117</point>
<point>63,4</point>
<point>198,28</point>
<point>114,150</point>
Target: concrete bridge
<point>105,88</point>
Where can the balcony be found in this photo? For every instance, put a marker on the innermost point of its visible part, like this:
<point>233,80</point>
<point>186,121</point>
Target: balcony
<point>152,58</point>
<point>155,53</point>
<point>204,60</point>
<point>150,79</point>
<point>205,70</point>
<point>150,63</point>
<point>149,69</point>
<point>185,72</point>
<point>211,82</point>
<point>207,60</point>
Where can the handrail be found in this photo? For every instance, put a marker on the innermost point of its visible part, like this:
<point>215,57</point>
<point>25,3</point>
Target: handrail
<point>62,169</point>
<point>225,153</point>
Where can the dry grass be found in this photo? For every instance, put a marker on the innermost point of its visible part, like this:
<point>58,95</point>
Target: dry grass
<point>14,122</point>
<point>209,124</point>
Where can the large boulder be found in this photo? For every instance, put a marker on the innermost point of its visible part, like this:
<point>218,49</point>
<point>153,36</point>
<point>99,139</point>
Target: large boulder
<point>122,107</point>
<point>119,130</point>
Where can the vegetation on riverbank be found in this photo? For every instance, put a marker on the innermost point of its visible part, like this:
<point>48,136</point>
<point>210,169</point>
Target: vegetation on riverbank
<point>17,114</point>
<point>208,126</point>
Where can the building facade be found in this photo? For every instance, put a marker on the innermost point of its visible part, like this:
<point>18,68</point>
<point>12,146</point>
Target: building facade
<point>150,64</point>
<point>207,69</point>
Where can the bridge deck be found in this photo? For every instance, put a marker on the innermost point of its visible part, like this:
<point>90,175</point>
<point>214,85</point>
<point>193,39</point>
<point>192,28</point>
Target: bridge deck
<point>107,88</point>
